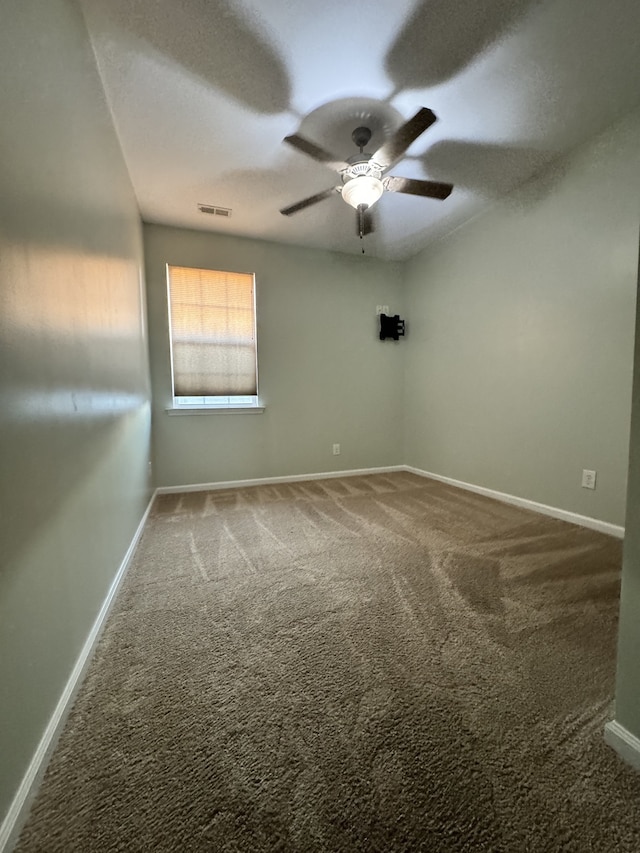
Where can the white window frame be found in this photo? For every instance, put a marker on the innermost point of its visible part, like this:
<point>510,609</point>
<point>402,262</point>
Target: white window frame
<point>241,404</point>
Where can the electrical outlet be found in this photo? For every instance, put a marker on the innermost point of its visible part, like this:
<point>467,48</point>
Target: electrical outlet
<point>382,309</point>
<point>336,450</point>
<point>588,479</point>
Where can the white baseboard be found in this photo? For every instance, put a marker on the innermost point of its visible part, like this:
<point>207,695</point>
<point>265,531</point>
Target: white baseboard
<point>18,810</point>
<point>562,514</point>
<point>625,744</point>
<point>265,481</point>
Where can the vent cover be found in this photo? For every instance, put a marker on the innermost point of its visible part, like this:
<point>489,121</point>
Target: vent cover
<point>214,210</point>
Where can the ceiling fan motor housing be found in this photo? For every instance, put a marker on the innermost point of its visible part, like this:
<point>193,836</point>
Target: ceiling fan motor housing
<point>359,167</point>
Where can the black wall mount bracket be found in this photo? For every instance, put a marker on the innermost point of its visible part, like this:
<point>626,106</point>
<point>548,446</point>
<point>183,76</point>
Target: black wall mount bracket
<point>391,327</point>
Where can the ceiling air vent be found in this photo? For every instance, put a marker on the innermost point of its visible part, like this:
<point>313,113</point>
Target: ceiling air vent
<point>214,211</point>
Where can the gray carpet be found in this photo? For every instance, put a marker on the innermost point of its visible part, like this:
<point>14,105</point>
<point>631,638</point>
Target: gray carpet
<point>378,663</point>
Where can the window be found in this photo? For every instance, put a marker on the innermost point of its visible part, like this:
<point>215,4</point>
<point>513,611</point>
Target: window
<point>212,324</point>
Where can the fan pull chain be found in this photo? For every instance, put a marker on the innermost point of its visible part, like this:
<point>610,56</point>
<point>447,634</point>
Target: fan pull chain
<point>361,210</point>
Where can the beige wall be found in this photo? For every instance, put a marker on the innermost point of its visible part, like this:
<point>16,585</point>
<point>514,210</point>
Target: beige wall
<point>628,672</point>
<point>519,364</point>
<point>324,375</point>
<point>74,419</point>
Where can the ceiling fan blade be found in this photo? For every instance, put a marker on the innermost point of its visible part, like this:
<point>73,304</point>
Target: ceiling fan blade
<point>315,151</point>
<point>430,189</point>
<point>394,148</point>
<point>307,202</point>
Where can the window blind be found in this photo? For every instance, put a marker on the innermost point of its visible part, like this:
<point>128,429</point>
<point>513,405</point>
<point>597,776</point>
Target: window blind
<point>213,332</point>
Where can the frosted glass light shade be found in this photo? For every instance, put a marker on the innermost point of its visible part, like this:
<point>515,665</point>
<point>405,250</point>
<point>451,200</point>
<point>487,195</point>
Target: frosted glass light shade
<point>362,190</point>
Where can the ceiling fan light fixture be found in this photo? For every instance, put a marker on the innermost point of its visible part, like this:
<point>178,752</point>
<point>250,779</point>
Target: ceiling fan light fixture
<point>363,189</point>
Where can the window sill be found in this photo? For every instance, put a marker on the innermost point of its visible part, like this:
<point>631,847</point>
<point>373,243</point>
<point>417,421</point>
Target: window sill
<point>215,410</point>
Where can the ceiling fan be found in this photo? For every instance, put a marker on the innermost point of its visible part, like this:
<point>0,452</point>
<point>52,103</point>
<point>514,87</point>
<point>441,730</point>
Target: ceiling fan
<point>363,175</point>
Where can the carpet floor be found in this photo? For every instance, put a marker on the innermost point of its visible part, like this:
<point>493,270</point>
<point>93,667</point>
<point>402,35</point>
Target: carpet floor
<point>380,663</point>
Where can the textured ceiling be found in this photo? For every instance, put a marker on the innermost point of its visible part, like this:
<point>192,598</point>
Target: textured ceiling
<point>204,91</point>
